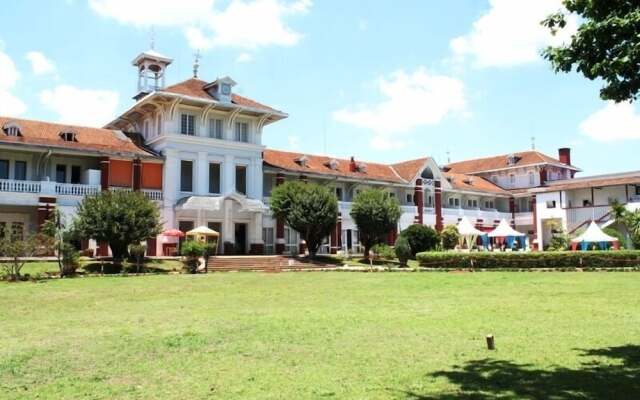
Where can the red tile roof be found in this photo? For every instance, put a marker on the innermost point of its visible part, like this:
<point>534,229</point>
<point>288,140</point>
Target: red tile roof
<point>624,178</point>
<point>195,88</point>
<point>94,140</point>
<point>409,169</point>
<point>320,165</point>
<point>471,183</point>
<point>500,162</point>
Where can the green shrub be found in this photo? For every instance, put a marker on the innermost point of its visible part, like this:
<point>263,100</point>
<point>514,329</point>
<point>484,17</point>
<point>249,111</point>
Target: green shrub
<point>618,235</point>
<point>192,251</point>
<point>421,238</point>
<point>69,260</point>
<point>517,260</point>
<point>449,237</point>
<point>403,250</point>
<point>384,251</point>
<point>137,252</point>
<point>559,242</point>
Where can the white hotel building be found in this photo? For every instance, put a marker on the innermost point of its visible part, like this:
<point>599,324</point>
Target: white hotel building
<point>195,148</point>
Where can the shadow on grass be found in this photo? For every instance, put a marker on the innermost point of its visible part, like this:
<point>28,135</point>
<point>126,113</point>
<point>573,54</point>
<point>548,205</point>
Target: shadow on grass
<point>110,268</point>
<point>612,373</point>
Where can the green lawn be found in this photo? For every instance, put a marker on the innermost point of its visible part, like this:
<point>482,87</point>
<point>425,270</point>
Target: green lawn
<point>35,268</point>
<point>322,335</point>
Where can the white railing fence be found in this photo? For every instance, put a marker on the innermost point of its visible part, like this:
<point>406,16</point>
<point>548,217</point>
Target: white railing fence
<point>9,185</point>
<point>152,194</point>
<point>76,189</point>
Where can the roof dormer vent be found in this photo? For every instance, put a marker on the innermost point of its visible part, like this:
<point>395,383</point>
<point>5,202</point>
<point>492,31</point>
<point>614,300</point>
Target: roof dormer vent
<point>361,167</point>
<point>68,136</point>
<point>302,161</point>
<point>332,164</point>
<point>468,181</point>
<point>221,89</point>
<point>512,159</point>
<point>12,129</point>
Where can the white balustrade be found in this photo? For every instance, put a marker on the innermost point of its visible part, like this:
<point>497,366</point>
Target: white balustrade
<point>152,194</point>
<point>76,189</point>
<point>9,185</point>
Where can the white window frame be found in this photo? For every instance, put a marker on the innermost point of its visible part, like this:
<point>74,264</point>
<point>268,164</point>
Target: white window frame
<point>188,117</point>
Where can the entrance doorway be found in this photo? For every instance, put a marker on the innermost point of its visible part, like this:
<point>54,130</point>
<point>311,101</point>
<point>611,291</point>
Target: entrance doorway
<point>217,226</point>
<point>240,238</point>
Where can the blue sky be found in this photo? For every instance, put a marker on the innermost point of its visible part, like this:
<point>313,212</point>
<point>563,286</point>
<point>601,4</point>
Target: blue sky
<point>382,80</point>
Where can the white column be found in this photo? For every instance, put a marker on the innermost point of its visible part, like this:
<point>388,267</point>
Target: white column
<point>202,174</point>
<point>170,182</point>
<point>255,229</point>
<point>228,229</point>
<point>228,174</point>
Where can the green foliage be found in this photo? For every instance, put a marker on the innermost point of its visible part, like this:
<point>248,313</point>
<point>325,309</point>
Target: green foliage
<point>605,46</point>
<point>137,251</point>
<point>384,251</point>
<point>15,251</point>
<point>119,218</point>
<point>421,238</point>
<point>616,234</point>
<point>192,250</point>
<point>70,259</point>
<point>630,220</point>
<point>376,214</point>
<point>559,242</point>
<point>309,209</point>
<point>403,250</point>
<point>518,260</point>
<point>449,237</point>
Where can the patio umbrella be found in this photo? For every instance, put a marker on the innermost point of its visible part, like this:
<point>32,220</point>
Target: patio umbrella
<point>173,233</point>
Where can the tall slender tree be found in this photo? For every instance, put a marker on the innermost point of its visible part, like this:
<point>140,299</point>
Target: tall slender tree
<point>376,214</point>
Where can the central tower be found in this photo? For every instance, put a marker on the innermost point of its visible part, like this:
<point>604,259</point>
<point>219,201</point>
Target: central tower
<point>151,72</point>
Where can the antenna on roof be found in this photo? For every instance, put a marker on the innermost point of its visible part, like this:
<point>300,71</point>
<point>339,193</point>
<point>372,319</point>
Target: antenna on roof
<point>153,38</point>
<point>533,142</point>
<point>448,157</point>
<point>196,64</point>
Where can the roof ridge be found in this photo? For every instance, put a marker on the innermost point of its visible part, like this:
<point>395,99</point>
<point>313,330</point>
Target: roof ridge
<point>60,124</point>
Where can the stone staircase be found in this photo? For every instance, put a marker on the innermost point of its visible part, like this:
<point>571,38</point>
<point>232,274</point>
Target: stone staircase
<point>260,263</point>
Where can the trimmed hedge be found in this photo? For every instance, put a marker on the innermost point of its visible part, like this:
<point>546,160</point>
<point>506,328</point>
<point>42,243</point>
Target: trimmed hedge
<point>517,260</point>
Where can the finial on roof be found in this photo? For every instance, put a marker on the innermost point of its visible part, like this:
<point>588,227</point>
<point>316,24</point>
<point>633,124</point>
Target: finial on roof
<point>533,142</point>
<point>196,64</point>
<point>448,157</point>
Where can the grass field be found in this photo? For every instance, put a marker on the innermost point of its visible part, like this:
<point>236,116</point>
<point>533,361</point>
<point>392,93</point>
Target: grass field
<point>322,335</point>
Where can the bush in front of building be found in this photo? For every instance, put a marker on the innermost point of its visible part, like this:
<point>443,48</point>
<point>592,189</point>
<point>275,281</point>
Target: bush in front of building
<point>531,260</point>
<point>119,218</point>
<point>403,250</point>
<point>421,238</point>
<point>383,251</point>
<point>192,250</point>
<point>449,237</point>
<point>376,214</point>
<point>308,208</point>
<point>15,251</point>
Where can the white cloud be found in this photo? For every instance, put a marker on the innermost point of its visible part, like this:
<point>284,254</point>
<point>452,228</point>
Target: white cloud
<point>244,58</point>
<point>510,33</point>
<point>243,23</point>
<point>40,64</point>
<point>412,100</point>
<point>10,105</point>
<point>614,122</point>
<point>81,106</point>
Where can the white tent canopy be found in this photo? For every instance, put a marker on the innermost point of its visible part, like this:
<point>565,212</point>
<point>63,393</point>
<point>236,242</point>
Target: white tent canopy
<point>466,228</point>
<point>594,234</point>
<point>504,230</point>
<point>468,232</point>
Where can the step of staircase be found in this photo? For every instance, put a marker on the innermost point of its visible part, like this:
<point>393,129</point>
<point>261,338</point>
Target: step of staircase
<point>259,263</point>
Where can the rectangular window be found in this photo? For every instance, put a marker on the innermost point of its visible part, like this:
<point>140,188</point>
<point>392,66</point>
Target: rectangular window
<point>214,178</point>
<point>242,132</point>
<point>3,230</point>
<point>20,171</point>
<point>409,198</point>
<point>215,128</point>
<point>75,174</point>
<point>551,204</point>
<point>637,190</point>
<point>61,173</point>
<point>4,169</point>
<point>188,124</point>
<point>531,179</point>
<point>241,179</point>
<point>186,176</point>
<point>339,193</point>
<point>512,179</point>
<point>17,231</point>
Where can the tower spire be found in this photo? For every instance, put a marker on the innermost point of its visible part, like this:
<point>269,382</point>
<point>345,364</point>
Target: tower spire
<point>152,43</point>
<point>196,63</point>
<point>533,142</point>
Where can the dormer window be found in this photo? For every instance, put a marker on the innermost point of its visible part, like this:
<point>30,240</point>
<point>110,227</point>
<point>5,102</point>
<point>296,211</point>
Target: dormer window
<point>68,136</point>
<point>225,89</point>
<point>332,164</point>
<point>512,159</point>
<point>361,167</point>
<point>302,161</point>
<point>12,129</point>
<point>221,89</point>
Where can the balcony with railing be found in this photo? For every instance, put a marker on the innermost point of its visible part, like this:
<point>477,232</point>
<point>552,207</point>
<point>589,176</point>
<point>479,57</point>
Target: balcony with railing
<point>51,188</point>
<point>18,186</point>
<point>76,189</point>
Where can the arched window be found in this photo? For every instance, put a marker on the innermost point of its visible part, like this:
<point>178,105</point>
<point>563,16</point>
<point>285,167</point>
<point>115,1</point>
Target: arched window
<point>427,173</point>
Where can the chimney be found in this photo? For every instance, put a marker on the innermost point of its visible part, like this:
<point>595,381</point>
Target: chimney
<point>352,165</point>
<point>564,155</point>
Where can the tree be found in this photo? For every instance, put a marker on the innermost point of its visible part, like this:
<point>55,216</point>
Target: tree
<point>450,237</point>
<point>604,47</point>
<point>376,214</point>
<point>119,218</point>
<point>310,209</point>
<point>15,252</point>
<point>192,250</point>
<point>630,220</point>
<point>421,238</point>
<point>403,250</point>
<point>67,256</point>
